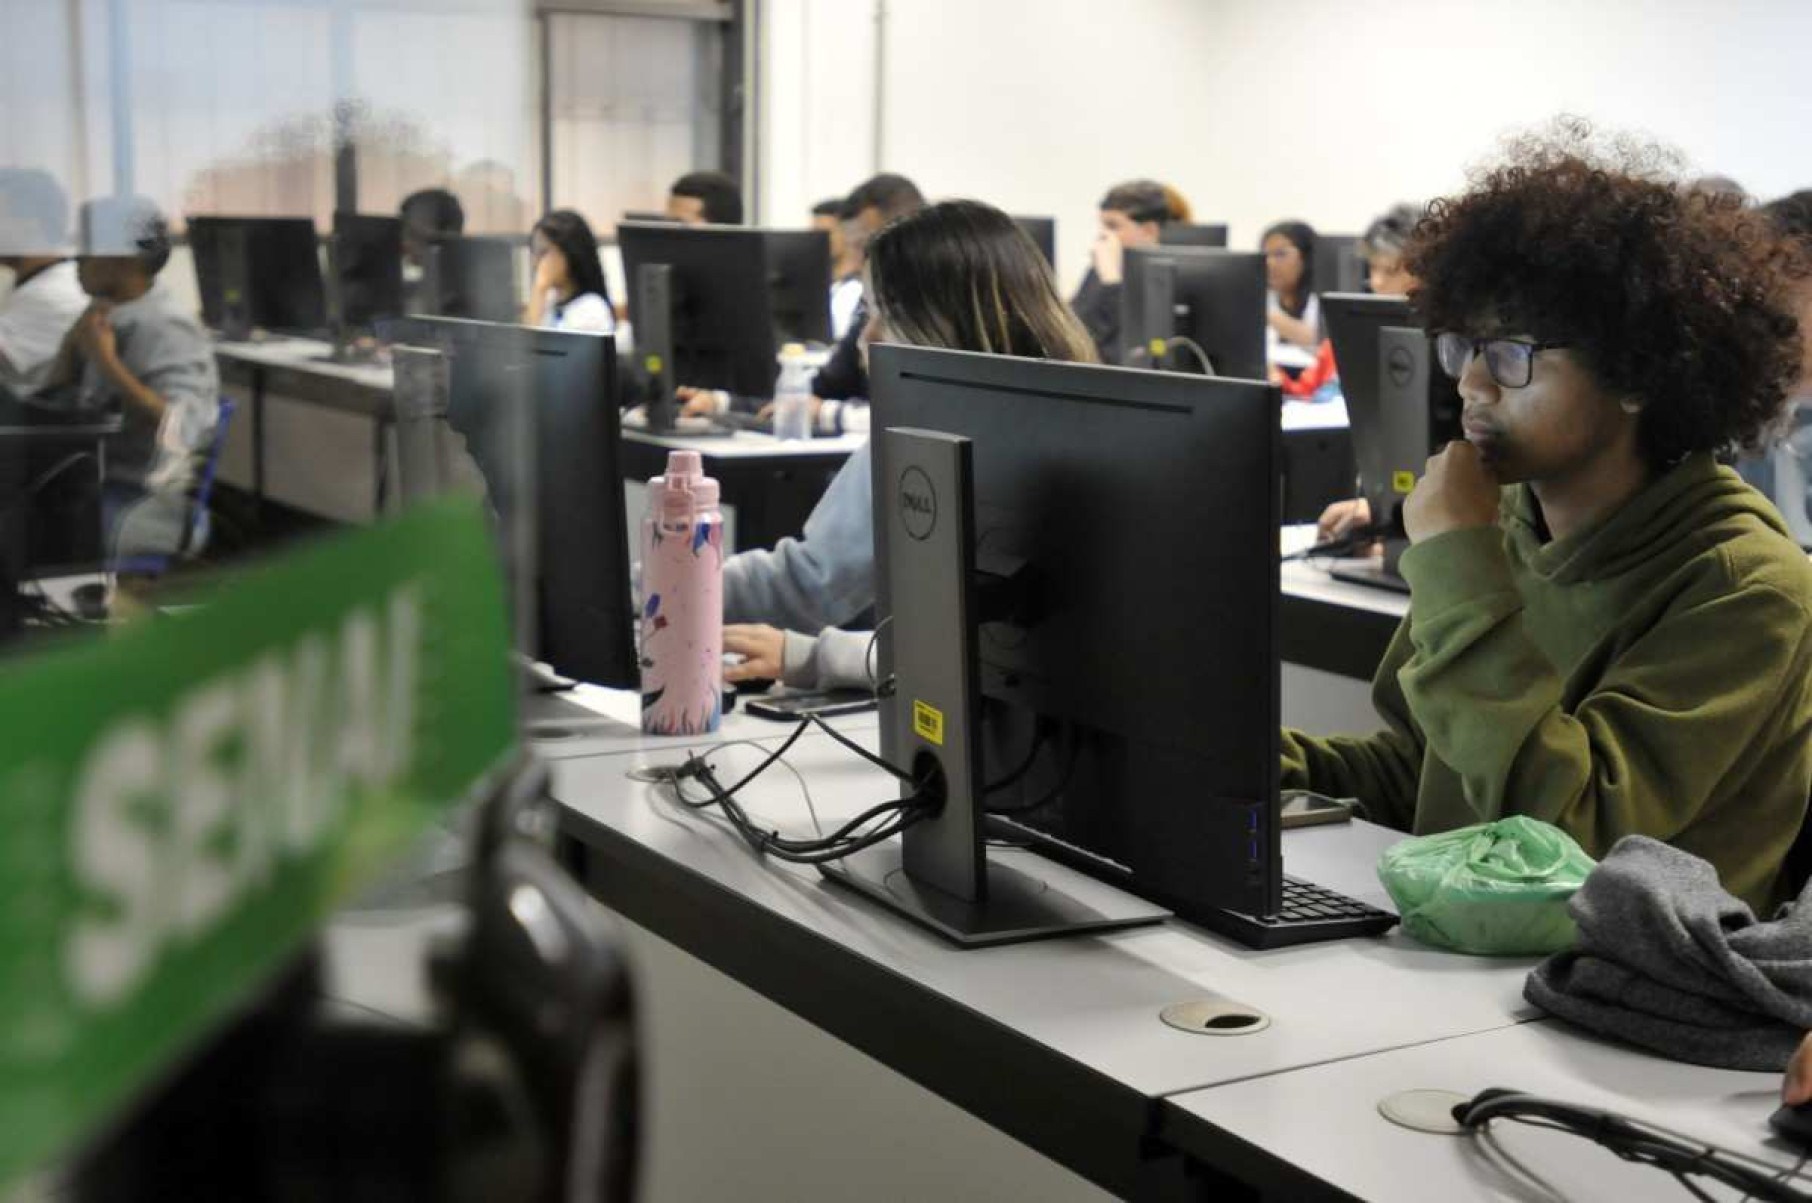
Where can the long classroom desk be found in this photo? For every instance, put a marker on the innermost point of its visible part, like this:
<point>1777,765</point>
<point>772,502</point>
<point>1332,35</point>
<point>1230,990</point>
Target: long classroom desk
<point>1057,1044</point>
<point>317,439</point>
<point>1316,1133</point>
<point>1331,637</point>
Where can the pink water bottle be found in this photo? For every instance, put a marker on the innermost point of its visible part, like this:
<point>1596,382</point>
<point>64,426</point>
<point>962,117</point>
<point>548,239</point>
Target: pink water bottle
<point>682,601</point>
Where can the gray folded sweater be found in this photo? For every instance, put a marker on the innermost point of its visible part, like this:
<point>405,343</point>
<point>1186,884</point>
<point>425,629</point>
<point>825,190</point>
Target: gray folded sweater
<point>1669,961</point>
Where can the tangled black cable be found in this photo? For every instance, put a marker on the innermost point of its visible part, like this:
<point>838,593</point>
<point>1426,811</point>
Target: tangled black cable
<point>1072,746</point>
<point>1634,1140</point>
<point>855,835</point>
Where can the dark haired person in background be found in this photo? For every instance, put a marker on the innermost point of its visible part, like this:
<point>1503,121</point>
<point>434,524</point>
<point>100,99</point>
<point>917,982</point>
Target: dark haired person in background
<point>844,377</point>
<point>1607,630</point>
<point>429,216</point>
<point>46,298</point>
<point>960,275</point>
<point>569,292</point>
<point>1292,310</point>
<point>137,350</point>
<point>840,387</point>
<point>1132,214</point>
<point>701,198</point>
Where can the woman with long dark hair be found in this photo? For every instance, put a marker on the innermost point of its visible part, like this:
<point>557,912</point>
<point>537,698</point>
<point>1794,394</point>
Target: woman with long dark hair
<point>959,275</point>
<point>1292,310</point>
<point>569,292</point>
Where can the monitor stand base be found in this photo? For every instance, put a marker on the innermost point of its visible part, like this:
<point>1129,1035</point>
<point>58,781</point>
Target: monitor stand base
<point>1019,906</point>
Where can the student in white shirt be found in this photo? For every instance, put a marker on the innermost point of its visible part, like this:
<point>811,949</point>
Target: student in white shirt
<point>46,298</point>
<point>846,263</point>
<point>1292,311</point>
<point>569,292</point>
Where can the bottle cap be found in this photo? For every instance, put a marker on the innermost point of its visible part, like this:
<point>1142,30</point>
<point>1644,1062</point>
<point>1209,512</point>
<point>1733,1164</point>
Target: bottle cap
<point>683,490</point>
<point>684,464</point>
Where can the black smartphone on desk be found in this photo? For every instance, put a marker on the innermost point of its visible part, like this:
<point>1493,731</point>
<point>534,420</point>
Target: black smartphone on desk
<point>1300,808</point>
<point>794,704</point>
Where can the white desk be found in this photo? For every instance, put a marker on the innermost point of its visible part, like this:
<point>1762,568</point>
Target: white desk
<point>592,721</point>
<point>1316,1132</point>
<point>1059,1043</point>
<point>316,437</point>
<point>749,444</point>
<point>1331,637</point>
<point>307,354</point>
<point>312,433</point>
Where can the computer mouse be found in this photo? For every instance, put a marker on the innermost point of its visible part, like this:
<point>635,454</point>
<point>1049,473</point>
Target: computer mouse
<point>1794,1123</point>
<point>90,600</point>
<point>754,685</point>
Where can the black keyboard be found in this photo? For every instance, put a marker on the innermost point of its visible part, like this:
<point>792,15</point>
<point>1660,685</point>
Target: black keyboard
<point>737,420</point>
<point>1375,575</point>
<point>1309,913</point>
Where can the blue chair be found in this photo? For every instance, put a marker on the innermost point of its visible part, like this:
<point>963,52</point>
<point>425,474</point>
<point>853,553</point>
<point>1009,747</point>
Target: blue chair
<point>195,531</point>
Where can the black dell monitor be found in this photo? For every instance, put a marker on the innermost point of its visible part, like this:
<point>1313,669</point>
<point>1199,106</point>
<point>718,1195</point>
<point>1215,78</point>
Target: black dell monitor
<point>1185,233</point>
<point>1338,266</point>
<point>583,625</point>
<point>1400,405</point>
<point>259,273</point>
<point>367,259</point>
<point>1123,609</point>
<point>1043,233</point>
<point>711,304</point>
<point>799,280</point>
<point>473,278</point>
<point>1195,309</point>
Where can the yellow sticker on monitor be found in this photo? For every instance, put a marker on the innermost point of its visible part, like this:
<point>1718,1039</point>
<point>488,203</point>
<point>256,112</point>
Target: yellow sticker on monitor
<point>928,722</point>
<point>1403,482</point>
<point>653,363</point>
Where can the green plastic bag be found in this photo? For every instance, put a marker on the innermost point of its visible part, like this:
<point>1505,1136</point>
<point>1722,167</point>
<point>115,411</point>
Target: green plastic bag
<point>1497,889</point>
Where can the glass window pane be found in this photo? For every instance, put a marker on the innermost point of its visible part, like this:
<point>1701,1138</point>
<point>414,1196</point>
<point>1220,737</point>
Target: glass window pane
<point>636,102</point>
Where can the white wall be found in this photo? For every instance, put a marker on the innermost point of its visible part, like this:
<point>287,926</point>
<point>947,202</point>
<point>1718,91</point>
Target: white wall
<point>815,120</point>
<point>1327,110</point>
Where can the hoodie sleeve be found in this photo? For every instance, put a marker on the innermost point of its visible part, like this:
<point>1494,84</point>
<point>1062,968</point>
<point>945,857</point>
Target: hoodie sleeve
<point>832,659</point>
<point>1381,770</point>
<point>1669,722</point>
<point>821,579</point>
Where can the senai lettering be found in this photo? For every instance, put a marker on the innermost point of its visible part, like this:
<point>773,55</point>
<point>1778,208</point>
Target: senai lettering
<point>179,818</point>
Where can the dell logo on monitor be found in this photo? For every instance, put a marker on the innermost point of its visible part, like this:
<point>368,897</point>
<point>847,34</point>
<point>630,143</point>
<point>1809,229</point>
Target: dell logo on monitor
<point>918,503</point>
<point>1400,365</point>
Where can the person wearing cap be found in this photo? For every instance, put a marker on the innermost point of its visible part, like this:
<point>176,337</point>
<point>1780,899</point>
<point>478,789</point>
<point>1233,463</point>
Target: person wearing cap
<point>46,299</point>
<point>138,351</point>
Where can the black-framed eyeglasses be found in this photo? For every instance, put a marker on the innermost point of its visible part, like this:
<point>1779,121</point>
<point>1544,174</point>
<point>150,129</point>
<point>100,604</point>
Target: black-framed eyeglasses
<point>1511,361</point>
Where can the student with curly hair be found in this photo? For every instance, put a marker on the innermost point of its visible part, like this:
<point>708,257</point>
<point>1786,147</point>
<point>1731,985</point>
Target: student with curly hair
<point>1607,630</point>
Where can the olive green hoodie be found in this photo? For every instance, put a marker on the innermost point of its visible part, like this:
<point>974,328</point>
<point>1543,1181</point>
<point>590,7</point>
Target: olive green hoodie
<point>1651,675</point>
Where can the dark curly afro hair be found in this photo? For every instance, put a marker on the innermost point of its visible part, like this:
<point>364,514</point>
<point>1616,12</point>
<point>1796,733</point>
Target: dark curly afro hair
<point>1676,297</point>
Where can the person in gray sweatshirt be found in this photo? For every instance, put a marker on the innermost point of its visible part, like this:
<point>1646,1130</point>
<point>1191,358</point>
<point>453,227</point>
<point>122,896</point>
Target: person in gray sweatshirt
<point>138,351</point>
<point>959,275</point>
